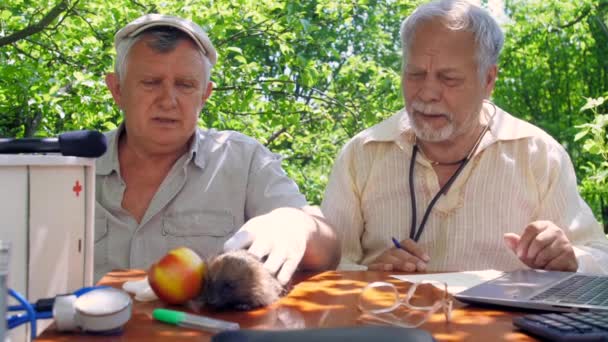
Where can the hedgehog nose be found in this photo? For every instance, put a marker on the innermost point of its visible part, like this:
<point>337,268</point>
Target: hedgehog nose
<point>211,303</point>
<point>207,299</point>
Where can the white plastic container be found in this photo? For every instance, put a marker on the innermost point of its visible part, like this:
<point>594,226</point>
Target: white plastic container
<point>47,208</point>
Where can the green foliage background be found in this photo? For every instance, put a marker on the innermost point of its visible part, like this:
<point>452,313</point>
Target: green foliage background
<point>303,77</point>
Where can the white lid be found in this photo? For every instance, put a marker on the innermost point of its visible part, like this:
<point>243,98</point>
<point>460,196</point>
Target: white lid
<point>101,302</point>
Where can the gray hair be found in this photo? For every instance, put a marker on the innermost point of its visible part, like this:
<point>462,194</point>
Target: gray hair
<point>163,39</point>
<point>459,15</point>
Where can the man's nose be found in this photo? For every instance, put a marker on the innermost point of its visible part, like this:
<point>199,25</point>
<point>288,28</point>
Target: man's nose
<point>168,96</point>
<point>430,90</point>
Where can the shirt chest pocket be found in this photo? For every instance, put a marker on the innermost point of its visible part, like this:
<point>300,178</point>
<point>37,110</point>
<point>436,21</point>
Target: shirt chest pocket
<point>212,223</point>
<point>203,231</point>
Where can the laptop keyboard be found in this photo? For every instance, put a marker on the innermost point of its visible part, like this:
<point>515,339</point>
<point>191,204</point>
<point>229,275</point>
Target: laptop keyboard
<point>578,289</point>
<point>573,326</point>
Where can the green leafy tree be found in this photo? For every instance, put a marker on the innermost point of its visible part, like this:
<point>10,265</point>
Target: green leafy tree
<point>594,136</point>
<point>301,77</point>
<point>555,56</point>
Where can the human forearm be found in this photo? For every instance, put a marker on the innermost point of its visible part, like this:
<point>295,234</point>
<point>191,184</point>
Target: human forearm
<point>322,248</point>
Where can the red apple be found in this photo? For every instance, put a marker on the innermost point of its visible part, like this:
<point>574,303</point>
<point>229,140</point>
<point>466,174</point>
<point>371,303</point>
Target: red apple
<point>178,276</point>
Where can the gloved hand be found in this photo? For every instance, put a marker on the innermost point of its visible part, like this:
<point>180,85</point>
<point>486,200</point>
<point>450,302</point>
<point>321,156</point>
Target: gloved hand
<point>281,236</point>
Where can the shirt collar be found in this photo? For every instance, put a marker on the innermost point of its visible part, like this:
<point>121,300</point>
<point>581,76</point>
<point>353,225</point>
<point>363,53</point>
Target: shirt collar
<point>195,148</point>
<point>503,126</point>
<point>397,129</point>
<point>108,162</point>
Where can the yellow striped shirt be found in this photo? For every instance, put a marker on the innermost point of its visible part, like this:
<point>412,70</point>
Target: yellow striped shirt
<point>518,175</point>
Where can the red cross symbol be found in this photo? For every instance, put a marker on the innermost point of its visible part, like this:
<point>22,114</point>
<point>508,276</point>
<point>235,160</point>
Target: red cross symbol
<point>77,188</point>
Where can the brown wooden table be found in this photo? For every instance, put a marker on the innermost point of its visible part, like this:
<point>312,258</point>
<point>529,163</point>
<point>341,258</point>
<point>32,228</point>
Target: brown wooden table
<point>327,299</point>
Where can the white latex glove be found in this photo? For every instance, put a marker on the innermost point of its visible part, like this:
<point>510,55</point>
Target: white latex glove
<point>141,288</point>
<point>281,235</point>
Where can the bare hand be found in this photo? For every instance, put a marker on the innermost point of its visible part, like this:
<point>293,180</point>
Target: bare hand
<point>543,245</point>
<point>409,259</point>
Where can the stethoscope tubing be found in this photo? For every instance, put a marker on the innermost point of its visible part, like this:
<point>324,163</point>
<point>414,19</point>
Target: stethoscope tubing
<point>416,233</point>
<point>16,320</point>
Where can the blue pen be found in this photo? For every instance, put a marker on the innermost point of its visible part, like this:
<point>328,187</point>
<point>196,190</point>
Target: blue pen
<point>396,243</point>
<point>425,257</point>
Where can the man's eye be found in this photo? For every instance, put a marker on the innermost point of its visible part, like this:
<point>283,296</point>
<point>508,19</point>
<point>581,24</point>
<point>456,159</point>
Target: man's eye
<point>149,82</point>
<point>451,81</point>
<point>415,75</point>
<point>186,85</point>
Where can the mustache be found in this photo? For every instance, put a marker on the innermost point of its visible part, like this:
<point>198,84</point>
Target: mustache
<point>429,108</point>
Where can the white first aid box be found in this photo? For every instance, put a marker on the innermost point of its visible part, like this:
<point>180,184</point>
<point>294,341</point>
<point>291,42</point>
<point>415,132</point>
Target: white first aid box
<point>47,207</point>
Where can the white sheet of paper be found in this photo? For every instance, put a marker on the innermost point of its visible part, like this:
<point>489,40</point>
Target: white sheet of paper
<point>457,281</point>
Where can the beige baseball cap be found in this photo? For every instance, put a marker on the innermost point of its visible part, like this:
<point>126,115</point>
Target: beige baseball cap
<point>147,21</point>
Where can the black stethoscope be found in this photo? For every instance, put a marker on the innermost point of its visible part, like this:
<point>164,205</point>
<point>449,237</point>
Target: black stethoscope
<point>415,233</point>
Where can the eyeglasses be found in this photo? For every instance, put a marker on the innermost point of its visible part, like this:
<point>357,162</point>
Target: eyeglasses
<point>382,302</point>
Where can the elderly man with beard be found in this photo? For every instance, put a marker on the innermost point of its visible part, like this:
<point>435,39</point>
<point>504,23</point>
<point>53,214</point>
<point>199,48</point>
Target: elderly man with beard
<point>454,183</point>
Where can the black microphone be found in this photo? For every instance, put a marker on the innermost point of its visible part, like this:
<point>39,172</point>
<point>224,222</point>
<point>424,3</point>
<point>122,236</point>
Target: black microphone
<point>89,144</point>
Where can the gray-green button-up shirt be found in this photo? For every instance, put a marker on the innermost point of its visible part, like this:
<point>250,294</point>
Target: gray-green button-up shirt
<point>225,179</point>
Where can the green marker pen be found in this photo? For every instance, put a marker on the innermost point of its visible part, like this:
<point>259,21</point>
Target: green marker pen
<point>187,320</point>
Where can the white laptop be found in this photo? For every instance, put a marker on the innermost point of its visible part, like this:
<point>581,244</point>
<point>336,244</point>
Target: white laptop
<point>542,290</point>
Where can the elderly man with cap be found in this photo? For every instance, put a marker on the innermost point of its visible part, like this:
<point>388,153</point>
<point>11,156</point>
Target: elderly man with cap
<point>452,182</point>
<point>165,183</point>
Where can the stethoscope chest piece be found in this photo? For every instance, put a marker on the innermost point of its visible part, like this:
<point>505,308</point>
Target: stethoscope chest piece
<point>100,311</point>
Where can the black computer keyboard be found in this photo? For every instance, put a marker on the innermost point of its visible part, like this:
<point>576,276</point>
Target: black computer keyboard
<point>571,326</point>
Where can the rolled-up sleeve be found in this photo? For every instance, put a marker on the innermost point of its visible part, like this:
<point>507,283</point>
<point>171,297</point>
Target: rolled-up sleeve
<point>268,186</point>
<point>562,204</point>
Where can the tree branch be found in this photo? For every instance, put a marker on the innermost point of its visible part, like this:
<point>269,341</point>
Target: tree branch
<point>245,33</point>
<point>323,98</point>
<point>134,2</point>
<point>37,27</point>
<point>97,35</point>
<point>26,54</point>
<point>260,113</point>
<point>56,51</point>
<point>274,136</point>
<point>577,19</point>
<point>66,14</point>
<point>601,24</point>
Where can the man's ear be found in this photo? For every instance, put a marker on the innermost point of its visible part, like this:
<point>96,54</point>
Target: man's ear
<point>490,80</point>
<point>207,92</point>
<point>113,85</point>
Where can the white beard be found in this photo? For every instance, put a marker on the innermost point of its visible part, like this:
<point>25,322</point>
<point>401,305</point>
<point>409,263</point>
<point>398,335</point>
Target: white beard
<point>423,130</point>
